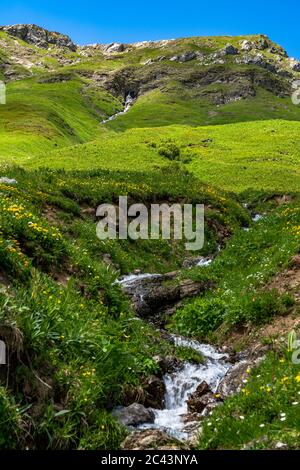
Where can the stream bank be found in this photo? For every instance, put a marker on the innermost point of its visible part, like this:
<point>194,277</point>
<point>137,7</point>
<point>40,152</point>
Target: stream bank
<point>187,391</point>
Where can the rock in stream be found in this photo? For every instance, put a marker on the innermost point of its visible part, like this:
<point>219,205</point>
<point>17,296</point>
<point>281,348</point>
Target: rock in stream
<point>151,293</point>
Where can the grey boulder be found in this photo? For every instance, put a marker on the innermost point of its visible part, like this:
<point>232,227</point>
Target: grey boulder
<point>114,47</point>
<point>6,180</point>
<point>246,46</point>
<point>296,66</point>
<point>133,415</point>
<point>229,49</point>
<point>185,57</point>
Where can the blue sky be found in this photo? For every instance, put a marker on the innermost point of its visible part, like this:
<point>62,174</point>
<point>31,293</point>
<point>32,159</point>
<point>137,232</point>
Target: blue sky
<point>106,21</point>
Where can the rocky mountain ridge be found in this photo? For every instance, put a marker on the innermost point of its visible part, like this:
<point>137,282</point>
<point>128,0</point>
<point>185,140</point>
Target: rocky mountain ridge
<point>38,36</point>
<point>207,72</point>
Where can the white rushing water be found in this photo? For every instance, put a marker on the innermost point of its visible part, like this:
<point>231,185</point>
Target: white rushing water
<point>257,217</point>
<point>130,279</point>
<point>128,103</point>
<point>182,383</point>
<point>204,262</point>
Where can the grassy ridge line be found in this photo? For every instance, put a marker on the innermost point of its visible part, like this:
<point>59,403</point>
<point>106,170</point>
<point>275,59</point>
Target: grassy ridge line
<point>182,106</point>
<point>51,59</point>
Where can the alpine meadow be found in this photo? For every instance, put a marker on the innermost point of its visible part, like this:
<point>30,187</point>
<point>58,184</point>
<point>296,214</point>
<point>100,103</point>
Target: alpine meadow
<point>142,344</point>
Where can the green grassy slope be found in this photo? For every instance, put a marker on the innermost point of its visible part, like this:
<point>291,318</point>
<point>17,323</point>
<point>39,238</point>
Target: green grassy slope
<point>66,322</point>
<point>180,106</point>
<point>235,156</point>
<point>40,116</point>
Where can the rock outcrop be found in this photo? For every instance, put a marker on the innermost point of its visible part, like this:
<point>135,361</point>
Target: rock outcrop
<point>229,49</point>
<point>114,47</point>
<point>154,293</point>
<point>199,400</point>
<point>38,36</point>
<point>154,389</point>
<point>237,376</point>
<point>263,43</point>
<point>151,439</point>
<point>259,61</point>
<point>295,65</point>
<point>247,45</point>
<point>185,57</point>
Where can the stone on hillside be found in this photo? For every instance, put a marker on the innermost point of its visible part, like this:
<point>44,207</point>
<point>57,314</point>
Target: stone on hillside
<point>284,73</point>
<point>167,364</point>
<point>262,44</point>
<point>295,66</point>
<point>185,57</point>
<point>198,404</point>
<point>278,50</point>
<point>188,288</point>
<point>210,406</point>
<point>150,294</point>
<point>133,415</point>
<point>147,62</point>
<point>114,47</point>
<point>200,398</point>
<point>256,443</point>
<point>202,388</point>
<point>229,49</point>
<point>246,46</point>
<point>281,445</point>
<point>257,60</point>
<point>107,259</point>
<point>39,36</point>
<point>5,180</point>
<point>233,381</point>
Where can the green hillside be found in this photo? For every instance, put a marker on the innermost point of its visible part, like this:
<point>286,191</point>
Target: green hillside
<point>235,157</point>
<point>58,97</point>
<point>210,120</point>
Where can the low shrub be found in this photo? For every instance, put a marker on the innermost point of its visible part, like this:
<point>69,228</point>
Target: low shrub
<point>200,316</point>
<point>170,151</point>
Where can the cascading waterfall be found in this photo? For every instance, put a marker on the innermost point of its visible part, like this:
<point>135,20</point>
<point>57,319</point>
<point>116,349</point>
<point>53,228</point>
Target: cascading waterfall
<point>204,262</point>
<point>130,279</point>
<point>175,418</point>
<point>257,217</point>
<point>182,383</point>
<point>128,103</point>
